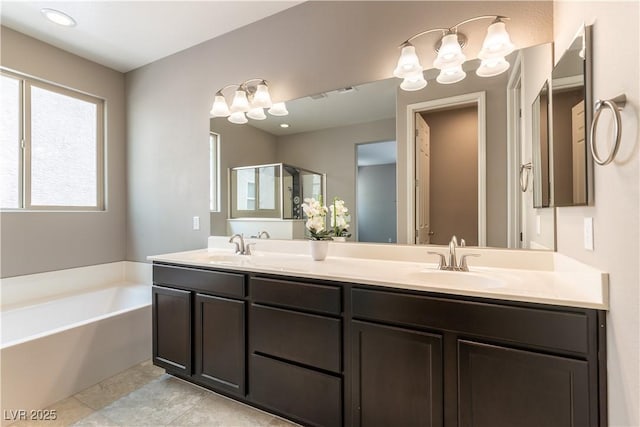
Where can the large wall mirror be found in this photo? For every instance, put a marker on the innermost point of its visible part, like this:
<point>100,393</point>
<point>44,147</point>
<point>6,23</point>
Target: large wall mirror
<point>350,135</point>
<point>570,115</point>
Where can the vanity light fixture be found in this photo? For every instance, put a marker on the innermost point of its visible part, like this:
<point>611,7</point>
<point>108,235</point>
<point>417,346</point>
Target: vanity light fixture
<point>497,44</point>
<point>58,17</point>
<point>250,99</point>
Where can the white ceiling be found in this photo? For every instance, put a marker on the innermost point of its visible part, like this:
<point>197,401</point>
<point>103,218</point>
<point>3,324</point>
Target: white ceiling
<point>125,35</point>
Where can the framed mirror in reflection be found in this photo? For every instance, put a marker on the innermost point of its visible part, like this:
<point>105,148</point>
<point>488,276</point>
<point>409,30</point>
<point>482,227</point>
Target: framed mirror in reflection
<point>351,136</point>
<point>569,118</point>
<point>540,128</point>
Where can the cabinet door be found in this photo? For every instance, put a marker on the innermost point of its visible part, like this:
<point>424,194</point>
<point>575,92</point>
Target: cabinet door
<point>397,376</point>
<point>172,329</point>
<point>501,386</point>
<point>220,343</point>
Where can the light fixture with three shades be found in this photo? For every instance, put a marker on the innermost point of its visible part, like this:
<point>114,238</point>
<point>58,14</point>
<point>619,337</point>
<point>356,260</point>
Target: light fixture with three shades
<point>250,99</point>
<point>497,44</point>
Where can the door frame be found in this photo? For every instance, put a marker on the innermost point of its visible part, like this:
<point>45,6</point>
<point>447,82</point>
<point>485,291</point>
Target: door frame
<point>469,99</point>
<point>515,222</point>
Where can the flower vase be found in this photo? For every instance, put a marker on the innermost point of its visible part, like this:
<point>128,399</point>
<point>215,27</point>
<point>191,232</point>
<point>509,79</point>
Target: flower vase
<point>319,249</point>
<point>339,239</point>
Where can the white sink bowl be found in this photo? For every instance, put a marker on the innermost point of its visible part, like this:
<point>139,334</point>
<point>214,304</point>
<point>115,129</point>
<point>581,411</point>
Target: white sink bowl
<point>464,279</point>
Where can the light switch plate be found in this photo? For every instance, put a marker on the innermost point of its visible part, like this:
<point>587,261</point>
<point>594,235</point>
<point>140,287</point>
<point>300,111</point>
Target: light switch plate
<point>538,227</point>
<point>196,223</point>
<point>588,233</point>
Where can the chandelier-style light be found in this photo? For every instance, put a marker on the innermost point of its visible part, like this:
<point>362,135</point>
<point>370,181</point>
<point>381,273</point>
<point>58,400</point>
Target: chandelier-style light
<point>250,99</point>
<point>497,44</point>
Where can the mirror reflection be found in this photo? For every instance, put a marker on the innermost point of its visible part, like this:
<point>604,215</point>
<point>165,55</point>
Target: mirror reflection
<point>540,119</point>
<point>350,136</point>
<point>272,191</point>
<point>568,118</point>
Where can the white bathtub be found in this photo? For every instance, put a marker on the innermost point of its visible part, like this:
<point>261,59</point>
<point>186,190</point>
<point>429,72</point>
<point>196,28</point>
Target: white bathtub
<point>55,348</point>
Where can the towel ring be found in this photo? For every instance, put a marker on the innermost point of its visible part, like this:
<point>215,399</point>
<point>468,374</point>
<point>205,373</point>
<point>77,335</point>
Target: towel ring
<point>615,105</point>
<point>524,171</point>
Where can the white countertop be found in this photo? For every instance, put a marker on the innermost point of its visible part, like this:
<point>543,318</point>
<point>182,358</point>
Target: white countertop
<point>527,276</point>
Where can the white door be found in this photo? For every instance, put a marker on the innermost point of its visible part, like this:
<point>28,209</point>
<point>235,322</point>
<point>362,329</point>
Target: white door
<point>422,144</point>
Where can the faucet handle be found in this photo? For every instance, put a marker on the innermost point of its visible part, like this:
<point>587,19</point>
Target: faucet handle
<point>248,248</point>
<point>463,261</point>
<point>442,263</point>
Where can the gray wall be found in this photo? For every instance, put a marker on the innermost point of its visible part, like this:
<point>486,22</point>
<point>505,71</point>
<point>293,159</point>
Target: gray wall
<point>169,100</point>
<point>616,213</point>
<point>34,242</point>
<point>376,203</point>
<point>333,152</point>
<point>240,145</point>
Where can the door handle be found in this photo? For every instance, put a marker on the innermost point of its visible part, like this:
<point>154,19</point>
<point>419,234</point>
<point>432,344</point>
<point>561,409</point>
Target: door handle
<point>431,233</point>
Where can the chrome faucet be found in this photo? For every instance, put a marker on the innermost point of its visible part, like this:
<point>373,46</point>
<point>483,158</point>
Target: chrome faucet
<point>240,249</point>
<point>453,244</point>
<point>453,264</point>
<point>264,234</point>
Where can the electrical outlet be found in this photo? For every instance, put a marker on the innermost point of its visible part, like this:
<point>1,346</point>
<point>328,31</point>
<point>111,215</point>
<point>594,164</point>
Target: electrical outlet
<point>588,233</point>
<point>196,223</point>
<point>538,226</point>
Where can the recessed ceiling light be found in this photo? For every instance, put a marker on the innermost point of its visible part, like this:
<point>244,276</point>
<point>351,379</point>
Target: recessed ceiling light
<point>58,17</point>
<point>284,125</point>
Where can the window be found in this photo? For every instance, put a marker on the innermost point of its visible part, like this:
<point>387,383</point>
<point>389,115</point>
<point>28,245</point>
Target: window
<point>214,174</point>
<point>51,147</point>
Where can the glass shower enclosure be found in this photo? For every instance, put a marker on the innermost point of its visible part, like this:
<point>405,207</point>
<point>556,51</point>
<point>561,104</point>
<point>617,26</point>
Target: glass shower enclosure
<point>272,191</point>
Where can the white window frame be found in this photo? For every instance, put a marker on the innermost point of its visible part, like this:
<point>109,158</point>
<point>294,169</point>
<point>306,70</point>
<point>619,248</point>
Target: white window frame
<point>214,172</point>
<point>25,135</point>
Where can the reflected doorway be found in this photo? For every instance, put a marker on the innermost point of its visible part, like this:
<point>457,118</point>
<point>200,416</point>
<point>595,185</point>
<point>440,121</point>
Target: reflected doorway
<point>457,176</point>
<point>376,192</point>
<point>449,172</point>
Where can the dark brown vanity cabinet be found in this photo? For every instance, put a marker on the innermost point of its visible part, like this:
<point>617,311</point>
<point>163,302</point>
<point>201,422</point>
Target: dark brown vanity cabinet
<point>429,360</point>
<point>326,353</point>
<point>502,386</point>
<point>396,376</point>
<point>199,326</point>
<point>295,341</point>
<point>172,329</point>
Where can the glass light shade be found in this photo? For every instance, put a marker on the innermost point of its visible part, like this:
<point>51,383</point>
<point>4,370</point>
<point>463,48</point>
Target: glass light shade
<point>238,118</point>
<point>278,109</point>
<point>492,67</point>
<point>451,75</point>
<point>219,108</point>
<point>497,43</point>
<point>256,114</point>
<point>450,53</point>
<point>413,82</point>
<point>408,63</point>
<point>240,102</point>
<point>261,99</point>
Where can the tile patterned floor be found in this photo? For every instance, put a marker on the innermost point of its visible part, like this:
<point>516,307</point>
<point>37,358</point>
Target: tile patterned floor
<point>145,396</point>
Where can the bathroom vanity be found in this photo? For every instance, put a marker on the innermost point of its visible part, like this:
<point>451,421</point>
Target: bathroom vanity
<point>365,341</point>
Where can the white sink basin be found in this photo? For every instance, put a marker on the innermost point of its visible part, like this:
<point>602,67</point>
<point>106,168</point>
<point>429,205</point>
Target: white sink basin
<point>222,258</point>
<point>464,279</point>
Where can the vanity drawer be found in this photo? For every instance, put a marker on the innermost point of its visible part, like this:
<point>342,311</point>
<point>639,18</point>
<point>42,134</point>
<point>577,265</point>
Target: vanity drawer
<point>534,327</point>
<point>206,281</point>
<point>310,397</point>
<point>304,338</point>
<point>305,296</point>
